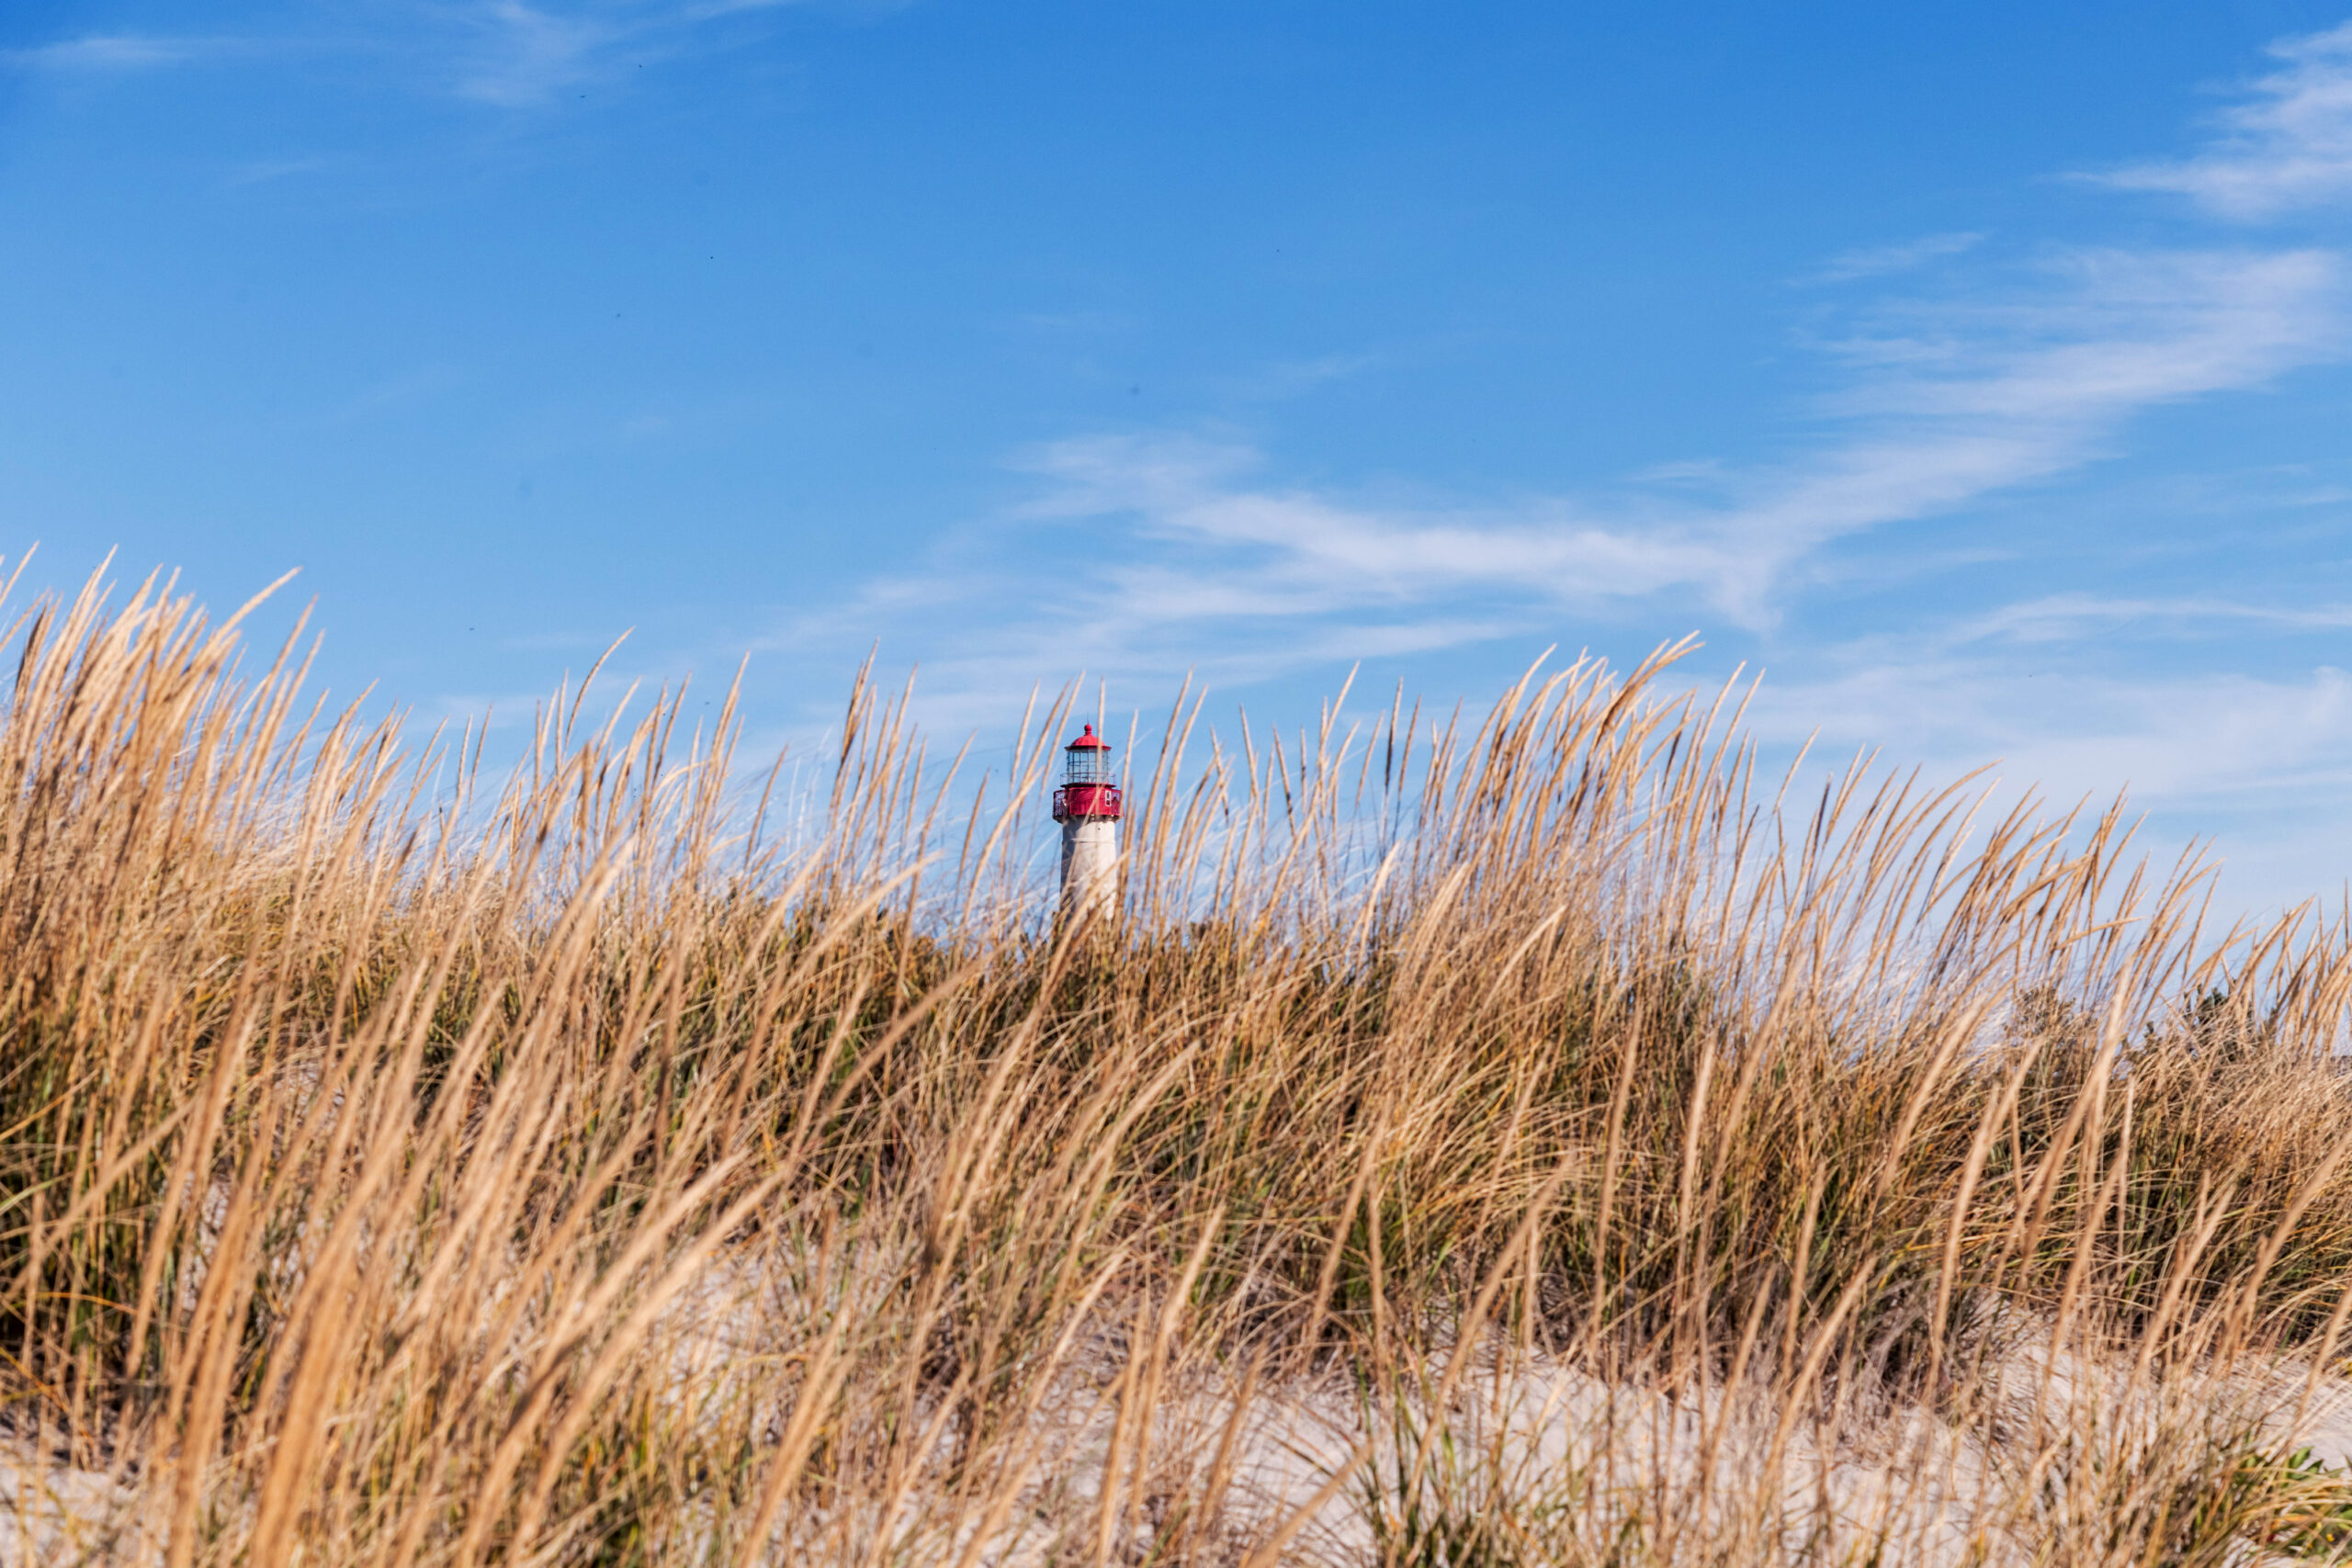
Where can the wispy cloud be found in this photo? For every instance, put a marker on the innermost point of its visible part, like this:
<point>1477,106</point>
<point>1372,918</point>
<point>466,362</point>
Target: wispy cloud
<point>2173,740</point>
<point>519,55</point>
<point>1881,260</point>
<point>1946,406</point>
<point>2288,148</point>
<point>266,170</point>
<point>514,54</point>
<point>2005,376</point>
<point>390,395</point>
<point>2259,766</point>
<point>2067,617</point>
<point>115,53</point>
<point>1296,377</point>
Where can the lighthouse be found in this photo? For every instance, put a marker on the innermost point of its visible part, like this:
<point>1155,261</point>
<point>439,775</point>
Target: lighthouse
<point>1087,806</point>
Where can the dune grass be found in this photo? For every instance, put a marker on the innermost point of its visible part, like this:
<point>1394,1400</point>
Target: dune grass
<point>1597,1146</point>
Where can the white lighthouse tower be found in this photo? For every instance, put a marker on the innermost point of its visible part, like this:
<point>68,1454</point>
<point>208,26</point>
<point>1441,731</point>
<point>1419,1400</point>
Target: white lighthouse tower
<point>1087,806</point>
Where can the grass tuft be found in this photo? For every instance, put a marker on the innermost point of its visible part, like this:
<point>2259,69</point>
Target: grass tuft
<point>1534,1140</point>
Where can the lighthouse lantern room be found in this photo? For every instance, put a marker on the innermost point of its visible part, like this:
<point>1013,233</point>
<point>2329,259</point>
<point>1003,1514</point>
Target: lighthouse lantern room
<point>1087,806</point>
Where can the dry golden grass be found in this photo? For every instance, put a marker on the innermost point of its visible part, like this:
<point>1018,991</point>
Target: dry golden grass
<point>1525,1143</point>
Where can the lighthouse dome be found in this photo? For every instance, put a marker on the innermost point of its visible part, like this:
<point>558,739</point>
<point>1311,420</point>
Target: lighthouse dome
<point>1087,788</point>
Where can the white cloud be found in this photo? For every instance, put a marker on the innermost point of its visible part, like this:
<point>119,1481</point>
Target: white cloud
<point>510,53</point>
<point>1157,552</point>
<point>2172,739</point>
<point>105,52</point>
<point>265,171</point>
<point>2066,618</point>
<point>2264,763</point>
<point>1878,261</point>
<point>521,54</point>
<point>1945,407</point>
<point>2288,149</point>
<point>1166,551</point>
<point>1296,377</point>
<point>525,54</point>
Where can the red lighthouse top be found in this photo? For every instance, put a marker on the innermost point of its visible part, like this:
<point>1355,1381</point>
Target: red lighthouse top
<point>1086,792</point>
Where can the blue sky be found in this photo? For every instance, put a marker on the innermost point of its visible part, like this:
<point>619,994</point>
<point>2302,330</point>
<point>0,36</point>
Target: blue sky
<point>1981,371</point>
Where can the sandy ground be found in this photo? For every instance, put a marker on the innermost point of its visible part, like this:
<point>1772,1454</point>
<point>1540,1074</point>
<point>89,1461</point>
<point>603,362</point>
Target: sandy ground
<point>1559,1453</point>
<point>52,1514</point>
<point>1714,1474</point>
